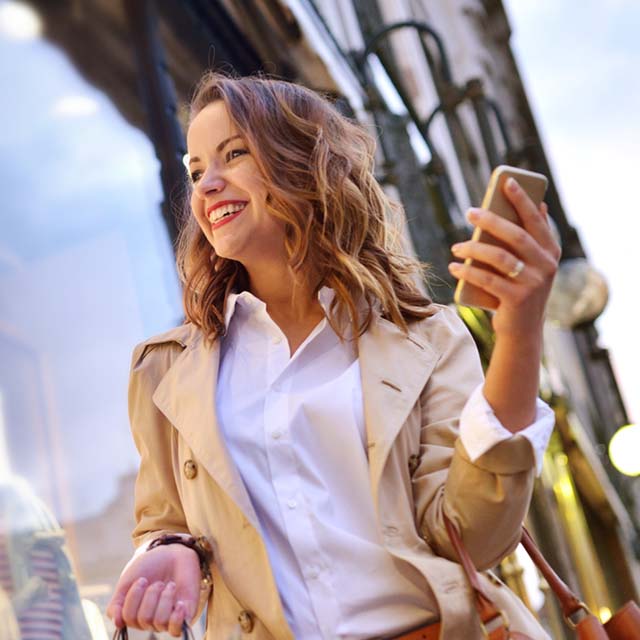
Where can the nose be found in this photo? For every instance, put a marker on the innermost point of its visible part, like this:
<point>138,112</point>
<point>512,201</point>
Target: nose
<point>210,182</point>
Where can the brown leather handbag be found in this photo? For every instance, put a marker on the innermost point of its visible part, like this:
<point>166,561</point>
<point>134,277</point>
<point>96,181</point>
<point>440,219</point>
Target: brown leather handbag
<point>624,625</point>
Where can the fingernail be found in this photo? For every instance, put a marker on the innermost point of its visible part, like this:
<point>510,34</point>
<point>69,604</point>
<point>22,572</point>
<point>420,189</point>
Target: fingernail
<point>454,266</point>
<point>512,185</point>
<point>456,248</point>
<point>171,585</point>
<point>143,582</point>
<point>473,214</point>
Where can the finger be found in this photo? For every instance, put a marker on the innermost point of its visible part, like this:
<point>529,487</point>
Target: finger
<point>496,257</point>
<point>132,601</point>
<point>519,241</point>
<point>114,611</point>
<point>555,250</point>
<point>165,607</point>
<point>148,604</point>
<point>114,608</point>
<point>544,210</point>
<point>498,286</point>
<point>530,215</point>
<point>177,618</point>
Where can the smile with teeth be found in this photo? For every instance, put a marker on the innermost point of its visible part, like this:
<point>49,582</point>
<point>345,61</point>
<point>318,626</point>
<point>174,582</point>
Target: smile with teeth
<point>226,210</point>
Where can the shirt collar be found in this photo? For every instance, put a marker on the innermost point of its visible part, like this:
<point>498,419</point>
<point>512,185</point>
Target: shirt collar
<point>246,301</point>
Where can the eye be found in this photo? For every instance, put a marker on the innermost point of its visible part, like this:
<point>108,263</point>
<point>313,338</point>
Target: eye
<point>195,175</point>
<point>234,153</point>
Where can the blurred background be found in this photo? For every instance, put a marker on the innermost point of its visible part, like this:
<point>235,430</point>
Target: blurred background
<point>92,111</point>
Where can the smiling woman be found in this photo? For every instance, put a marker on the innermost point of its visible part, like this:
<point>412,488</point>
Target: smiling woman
<point>305,433</point>
<point>227,183</point>
<point>306,176</point>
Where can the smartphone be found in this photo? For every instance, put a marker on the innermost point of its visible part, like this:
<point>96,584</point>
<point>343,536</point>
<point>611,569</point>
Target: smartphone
<point>535,184</point>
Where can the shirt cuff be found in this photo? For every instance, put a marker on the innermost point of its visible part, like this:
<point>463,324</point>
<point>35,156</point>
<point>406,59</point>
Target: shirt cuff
<point>480,429</point>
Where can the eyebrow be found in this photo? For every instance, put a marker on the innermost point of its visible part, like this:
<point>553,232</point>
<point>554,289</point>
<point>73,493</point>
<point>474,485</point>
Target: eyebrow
<point>219,148</point>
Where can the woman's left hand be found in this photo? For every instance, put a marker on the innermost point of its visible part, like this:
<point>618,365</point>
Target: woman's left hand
<point>526,267</point>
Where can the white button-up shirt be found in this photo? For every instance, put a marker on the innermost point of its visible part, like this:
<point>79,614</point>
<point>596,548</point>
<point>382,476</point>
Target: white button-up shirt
<point>295,429</point>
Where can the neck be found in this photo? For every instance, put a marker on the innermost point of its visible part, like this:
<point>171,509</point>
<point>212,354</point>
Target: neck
<point>287,295</point>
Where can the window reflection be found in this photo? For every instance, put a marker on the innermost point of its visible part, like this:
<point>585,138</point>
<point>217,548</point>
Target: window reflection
<point>86,271</point>
<point>39,590</point>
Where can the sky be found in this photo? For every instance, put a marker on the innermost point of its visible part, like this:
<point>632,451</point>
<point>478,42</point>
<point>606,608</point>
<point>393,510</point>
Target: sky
<point>580,62</point>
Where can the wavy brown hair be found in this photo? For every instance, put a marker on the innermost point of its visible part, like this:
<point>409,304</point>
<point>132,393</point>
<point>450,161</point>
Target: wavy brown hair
<point>318,167</point>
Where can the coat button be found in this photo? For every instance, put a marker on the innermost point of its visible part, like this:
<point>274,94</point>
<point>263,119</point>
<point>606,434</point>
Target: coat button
<point>190,469</point>
<point>245,620</point>
<point>414,462</point>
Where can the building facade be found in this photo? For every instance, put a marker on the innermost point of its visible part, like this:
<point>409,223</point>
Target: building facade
<point>86,269</point>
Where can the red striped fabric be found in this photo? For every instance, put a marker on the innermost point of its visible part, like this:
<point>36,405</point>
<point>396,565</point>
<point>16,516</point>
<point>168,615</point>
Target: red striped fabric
<point>6,581</point>
<point>44,620</point>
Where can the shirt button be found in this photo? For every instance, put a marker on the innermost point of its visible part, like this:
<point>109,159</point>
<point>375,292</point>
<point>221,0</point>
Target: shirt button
<point>292,504</point>
<point>190,469</point>
<point>276,434</point>
<point>276,339</point>
<point>246,622</point>
<point>313,573</point>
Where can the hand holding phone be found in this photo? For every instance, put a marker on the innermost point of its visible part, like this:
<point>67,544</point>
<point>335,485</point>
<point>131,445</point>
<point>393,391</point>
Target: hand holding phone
<point>534,185</point>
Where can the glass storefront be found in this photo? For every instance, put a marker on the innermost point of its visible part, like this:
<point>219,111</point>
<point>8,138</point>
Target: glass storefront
<point>86,271</point>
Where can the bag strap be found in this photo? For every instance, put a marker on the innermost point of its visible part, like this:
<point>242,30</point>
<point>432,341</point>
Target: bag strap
<point>123,634</point>
<point>569,602</point>
<point>588,627</point>
<point>485,607</point>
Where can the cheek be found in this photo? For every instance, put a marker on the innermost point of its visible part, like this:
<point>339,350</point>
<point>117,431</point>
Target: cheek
<point>273,231</point>
<point>197,209</point>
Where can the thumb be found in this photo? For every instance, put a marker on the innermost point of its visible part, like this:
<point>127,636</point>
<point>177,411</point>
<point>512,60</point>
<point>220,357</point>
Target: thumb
<point>188,579</point>
<point>189,599</point>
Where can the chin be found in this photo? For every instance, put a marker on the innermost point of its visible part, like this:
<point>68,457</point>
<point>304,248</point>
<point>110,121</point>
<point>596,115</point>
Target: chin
<point>227,251</point>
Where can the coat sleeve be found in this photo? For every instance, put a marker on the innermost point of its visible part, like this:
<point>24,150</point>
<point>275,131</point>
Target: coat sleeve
<point>486,499</point>
<point>158,507</point>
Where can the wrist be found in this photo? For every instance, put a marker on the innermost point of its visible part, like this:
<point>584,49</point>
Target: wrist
<point>526,343</point>
<point>200,545</point>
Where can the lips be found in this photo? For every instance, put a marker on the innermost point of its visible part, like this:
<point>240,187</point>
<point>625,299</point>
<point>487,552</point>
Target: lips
<point>225,211</point>
<point>226,219</point>
<point>223,203</point>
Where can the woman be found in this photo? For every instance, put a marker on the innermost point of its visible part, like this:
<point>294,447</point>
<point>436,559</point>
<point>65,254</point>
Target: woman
<point>317,414</point>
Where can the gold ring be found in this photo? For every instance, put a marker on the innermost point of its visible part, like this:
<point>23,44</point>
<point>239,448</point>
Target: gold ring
<point>517,270</point>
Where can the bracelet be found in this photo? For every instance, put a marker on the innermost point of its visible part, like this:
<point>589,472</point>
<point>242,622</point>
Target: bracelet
<point>200,545</point>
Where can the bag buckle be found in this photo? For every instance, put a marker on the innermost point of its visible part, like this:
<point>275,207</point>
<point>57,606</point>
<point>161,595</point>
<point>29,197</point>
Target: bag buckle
<point>581,607</point>
<point>504,623</point>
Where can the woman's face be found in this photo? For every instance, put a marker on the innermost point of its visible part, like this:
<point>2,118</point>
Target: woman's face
<point>229,192</point>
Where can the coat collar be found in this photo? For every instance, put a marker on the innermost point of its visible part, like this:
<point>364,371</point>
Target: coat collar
<point>394,369</point>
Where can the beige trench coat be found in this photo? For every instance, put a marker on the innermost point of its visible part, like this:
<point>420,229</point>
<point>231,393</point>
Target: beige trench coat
<point>414,388</point>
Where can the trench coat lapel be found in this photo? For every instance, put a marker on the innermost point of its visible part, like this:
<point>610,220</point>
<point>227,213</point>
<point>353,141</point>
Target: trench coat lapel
<point>394,369</point>
<point>186,396</point>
